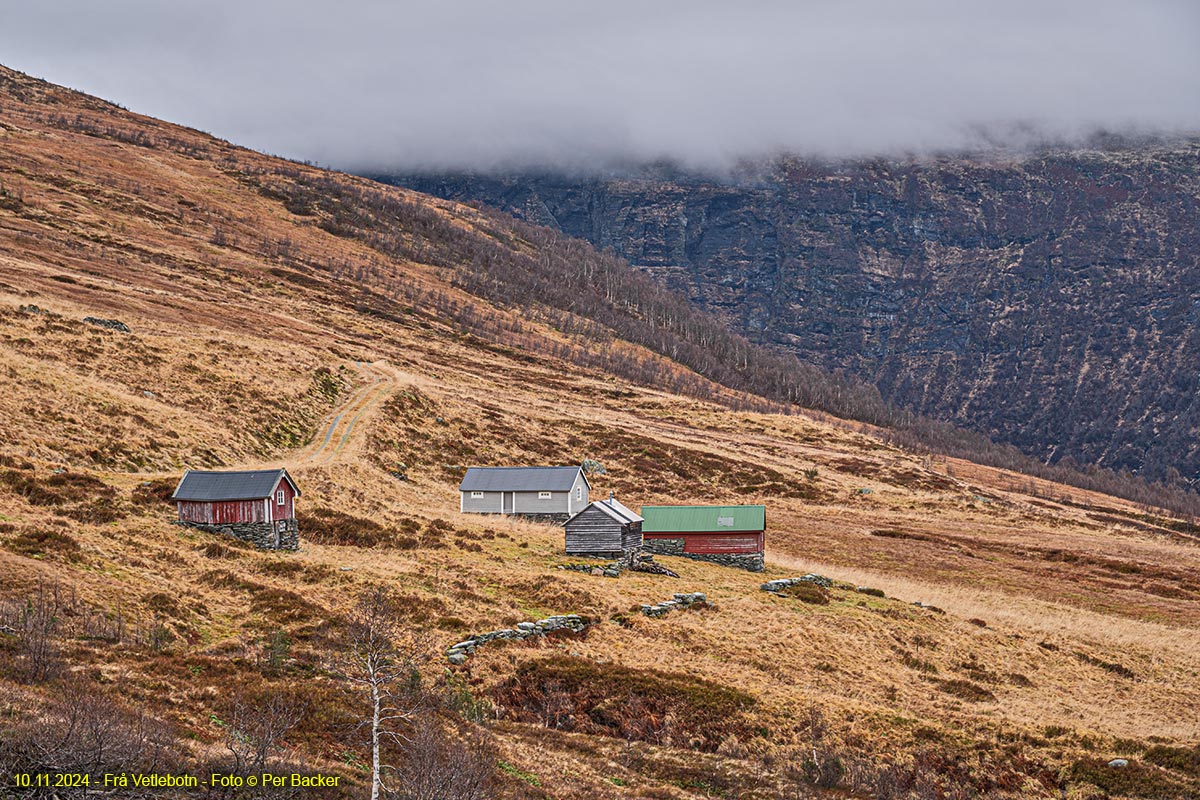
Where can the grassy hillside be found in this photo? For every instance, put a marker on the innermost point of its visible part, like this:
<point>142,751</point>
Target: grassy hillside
<point>1055,631</point>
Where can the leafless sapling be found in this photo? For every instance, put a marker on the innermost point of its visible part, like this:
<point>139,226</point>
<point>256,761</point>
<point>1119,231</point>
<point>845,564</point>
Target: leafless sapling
<point>381,657</point>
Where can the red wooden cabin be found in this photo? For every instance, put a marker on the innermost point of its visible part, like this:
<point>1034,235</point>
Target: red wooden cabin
<point>256,505</point>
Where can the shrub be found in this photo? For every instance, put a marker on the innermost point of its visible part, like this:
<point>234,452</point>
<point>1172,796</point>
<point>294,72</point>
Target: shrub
<point>42,542</point>
<point>155,492</point>
<point>163,603</point>
<point>1107,666</point>
<point>281,605</point>
<point>218,550</point>
<point>808,593</point>
<point>281,569</point>
<point>329,527</point>
<point>920,665</point>
<point>108,736</point>
<point>966,690</point>
<point>77,495</point>
<point>636,704</point>
<point>1134,780</point>
<point>224,579</point>
<point>1180,759</point>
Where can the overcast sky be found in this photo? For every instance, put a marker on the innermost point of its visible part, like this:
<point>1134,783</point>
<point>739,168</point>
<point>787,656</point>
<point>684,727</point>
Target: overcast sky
<point>467,83</point>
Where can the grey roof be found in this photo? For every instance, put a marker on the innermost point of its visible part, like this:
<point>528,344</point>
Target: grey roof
<point>613,508</point>
<point>520,479</point>
<point>246,485</point>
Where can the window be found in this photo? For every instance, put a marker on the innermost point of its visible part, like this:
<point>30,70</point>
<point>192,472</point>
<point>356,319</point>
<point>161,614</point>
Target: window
<point>578,492</point>
<point>279,497</point>
<point>476,495</point>
<point>545,495</point>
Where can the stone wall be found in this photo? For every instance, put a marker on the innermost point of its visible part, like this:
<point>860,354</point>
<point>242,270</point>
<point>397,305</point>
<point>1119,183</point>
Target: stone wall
<point>674,547</point>
<point>555,518</point>
<point>779,584</point>
<point>259,534</point>
<point>663,547</point>
<point>680,600</point>
<point>457,654</point>
<point>748,561</point>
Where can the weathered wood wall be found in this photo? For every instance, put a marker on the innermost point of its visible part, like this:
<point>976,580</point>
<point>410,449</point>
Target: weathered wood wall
<point>217,513</point>
<point>595,533</point>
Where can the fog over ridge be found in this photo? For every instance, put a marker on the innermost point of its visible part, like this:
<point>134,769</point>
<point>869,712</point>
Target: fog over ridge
<point>372,85</point>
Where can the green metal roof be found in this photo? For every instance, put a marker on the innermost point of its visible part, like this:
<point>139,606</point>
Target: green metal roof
<point>703,519</point>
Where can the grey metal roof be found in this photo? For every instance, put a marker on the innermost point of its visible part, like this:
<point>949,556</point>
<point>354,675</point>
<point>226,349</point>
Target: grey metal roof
<point>613,508</point>
<point>519,479</point>
<point>246,485</point>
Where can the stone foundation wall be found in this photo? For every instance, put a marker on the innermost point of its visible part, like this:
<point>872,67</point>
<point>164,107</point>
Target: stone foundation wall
<point>259,534</point>
<point>556,518</point>
<point>663,547</point>
<point>674,547</point>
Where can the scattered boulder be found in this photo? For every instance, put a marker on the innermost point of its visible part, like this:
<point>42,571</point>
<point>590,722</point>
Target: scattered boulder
<point>1119,763</point>
<point>593,467</point>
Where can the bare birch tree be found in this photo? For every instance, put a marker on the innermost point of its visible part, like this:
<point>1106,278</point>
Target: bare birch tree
<point>381,657</point>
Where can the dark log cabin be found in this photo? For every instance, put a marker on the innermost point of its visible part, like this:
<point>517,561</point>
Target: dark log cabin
<point>605,529</point>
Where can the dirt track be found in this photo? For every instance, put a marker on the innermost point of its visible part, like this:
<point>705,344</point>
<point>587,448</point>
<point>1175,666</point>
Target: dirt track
<point>339,427</point>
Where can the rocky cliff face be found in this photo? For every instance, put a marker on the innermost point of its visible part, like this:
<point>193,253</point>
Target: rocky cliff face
<point>1051,301</point>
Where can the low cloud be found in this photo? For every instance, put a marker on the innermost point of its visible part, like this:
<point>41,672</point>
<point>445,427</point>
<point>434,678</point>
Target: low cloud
<point>474,84</point>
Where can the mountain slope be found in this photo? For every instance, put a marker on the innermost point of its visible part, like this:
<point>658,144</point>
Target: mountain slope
<point>263,298</point>
<point>1051,301</point>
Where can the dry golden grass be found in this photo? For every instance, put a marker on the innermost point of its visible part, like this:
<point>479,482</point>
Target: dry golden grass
<point>234,306</point>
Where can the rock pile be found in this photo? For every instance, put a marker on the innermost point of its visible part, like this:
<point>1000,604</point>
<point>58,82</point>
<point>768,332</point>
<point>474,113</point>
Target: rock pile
<point>457,654</point>
<point>609,570</point>
<point>111,324</point>
<point>644,562</point>
<point>680,600</point>
<point>634,562</point>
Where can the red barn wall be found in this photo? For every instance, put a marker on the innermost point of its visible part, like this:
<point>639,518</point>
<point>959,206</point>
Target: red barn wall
<point>288,509</point>
<point>715,542</point>
<point>218,513</point>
